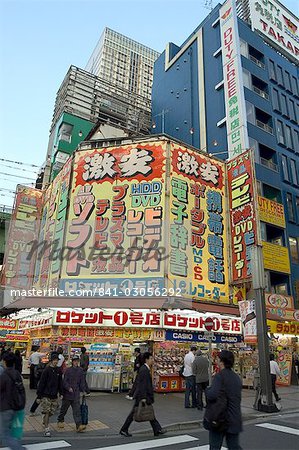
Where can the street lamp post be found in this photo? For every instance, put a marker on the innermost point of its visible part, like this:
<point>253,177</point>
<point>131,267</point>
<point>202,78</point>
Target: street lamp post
<point>258,279</point>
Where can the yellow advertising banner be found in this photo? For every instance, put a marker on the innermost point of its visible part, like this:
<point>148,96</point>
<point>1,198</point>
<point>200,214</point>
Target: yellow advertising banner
<point>198,264</point>
<point>115,230</point>
<point>271,212</point>
<point>283,327</point>
<point>276,257</point>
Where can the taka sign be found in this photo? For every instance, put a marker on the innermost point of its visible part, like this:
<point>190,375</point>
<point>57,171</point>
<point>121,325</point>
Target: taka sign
<point>277,25</point>
<point>236,121</point>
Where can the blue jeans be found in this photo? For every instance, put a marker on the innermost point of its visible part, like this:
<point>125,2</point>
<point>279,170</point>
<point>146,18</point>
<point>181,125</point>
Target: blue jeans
<point>216,440</point>
<point>190,389</point>
<point>6,418</point>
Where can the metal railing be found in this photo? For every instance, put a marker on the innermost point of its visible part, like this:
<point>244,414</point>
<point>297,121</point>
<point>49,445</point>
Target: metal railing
<point>260,92</point>
<point>257,62</point>
<point>264,126</point>
<point>269,164</point>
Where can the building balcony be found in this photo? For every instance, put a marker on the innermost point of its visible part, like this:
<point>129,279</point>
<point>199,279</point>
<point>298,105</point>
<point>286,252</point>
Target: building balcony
<point>257,62</point>
<point>261,93</point>
<point>269,164</point>
<point>264,126</point>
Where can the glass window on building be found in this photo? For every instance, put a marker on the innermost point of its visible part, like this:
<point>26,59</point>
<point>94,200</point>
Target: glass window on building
<point>295,86</point>
<point>294,249</point>
<point>263,229</point>
<point>244,48</point>
<point>292,110</point>
<point>250,111</point>
<point>285,169</point>
<point>296,140</point>
<point>284,106</point>
<point>297,208</point>
<point>275,99</point>
<point>65,132</point>
<point>288,81</point>
<point>288,136</point>
<point>279,75</point>
<point>272,74</point>
<point>290,207</point>
<point>246,78</point>
<point>279,132</point>
<point>294,171</point>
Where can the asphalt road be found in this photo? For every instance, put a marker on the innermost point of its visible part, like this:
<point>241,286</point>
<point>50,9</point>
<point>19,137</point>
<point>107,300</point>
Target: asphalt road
<point>271,433</point>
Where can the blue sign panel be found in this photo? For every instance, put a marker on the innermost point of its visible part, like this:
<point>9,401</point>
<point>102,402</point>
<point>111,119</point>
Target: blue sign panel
<point>186,336</point>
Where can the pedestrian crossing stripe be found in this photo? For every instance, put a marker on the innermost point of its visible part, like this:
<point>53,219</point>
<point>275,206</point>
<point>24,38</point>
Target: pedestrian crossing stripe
<point>44,445</point>
<point>152,444</point>
<point>281,428</point>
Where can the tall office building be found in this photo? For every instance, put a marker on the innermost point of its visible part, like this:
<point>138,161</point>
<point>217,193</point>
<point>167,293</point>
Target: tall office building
<point>233,84</point>
<point>123,62</point>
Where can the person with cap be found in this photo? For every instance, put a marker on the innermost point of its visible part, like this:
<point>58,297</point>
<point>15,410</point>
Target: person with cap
<point>200,369</point>
<point>189,378</point>
<point>49,386</point>
<point>73,384</point>
<point>229,383</point>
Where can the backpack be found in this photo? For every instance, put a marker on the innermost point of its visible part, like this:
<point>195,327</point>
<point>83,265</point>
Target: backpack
<point>18,394</point>
<point>215,417</point>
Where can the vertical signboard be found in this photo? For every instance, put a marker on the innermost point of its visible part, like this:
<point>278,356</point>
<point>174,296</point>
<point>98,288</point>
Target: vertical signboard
<point>279,27</point>
<point>24,227</point>
<point>115,224</point>
<point>198,264</point>
<point>242,213</point>
<point>236,120</point>
<point>248,317</point>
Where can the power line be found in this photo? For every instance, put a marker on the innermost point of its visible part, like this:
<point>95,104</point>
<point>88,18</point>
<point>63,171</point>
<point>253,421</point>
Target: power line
<point>16,176</point>
<point>8,190</point>
<point>19,162</point>
<point>14,181</point>
<point>18,168</point>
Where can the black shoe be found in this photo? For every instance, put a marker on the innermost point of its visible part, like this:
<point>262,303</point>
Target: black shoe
<point>187,406</point>
<point>278,399</point>
<point>125,433</point>
<point>159,432</point>
<point>199,408</point>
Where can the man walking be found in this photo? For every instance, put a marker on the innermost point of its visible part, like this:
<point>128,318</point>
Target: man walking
<point>8,407</point>
<point>229,382</point>
<point>275,372</point>
<point>189,378</point>
<point>84,363</point>
<point>200,369</point>
<point>73,384</point>
<point>137,365</point>
<point>144,392</point>
<point>34,360</point>
<point>49,386</point>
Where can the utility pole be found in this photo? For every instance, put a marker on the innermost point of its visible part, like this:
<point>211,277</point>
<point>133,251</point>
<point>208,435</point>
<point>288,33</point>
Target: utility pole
<point>258,279</point>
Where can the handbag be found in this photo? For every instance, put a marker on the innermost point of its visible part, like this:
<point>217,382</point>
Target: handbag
<point>181,371</point>
<point>84,411</point>
<point>17,424</point>
<point>215,417</point>
<point>143,412</point>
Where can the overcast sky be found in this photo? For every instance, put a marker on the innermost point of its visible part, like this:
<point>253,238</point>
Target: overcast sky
<point>40,39</point>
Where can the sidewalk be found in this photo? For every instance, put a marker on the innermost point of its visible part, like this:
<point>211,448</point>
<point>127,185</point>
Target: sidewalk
<point>108,411</point>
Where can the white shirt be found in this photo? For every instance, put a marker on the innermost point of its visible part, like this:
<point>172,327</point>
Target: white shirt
<point>274,369</point>
<point>188,361</point>
<point>35,358</point>
<point>60,360</point>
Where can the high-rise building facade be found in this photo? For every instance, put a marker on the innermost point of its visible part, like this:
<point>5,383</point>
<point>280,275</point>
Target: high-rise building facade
<point>123,62</point>
<point>232,85</point>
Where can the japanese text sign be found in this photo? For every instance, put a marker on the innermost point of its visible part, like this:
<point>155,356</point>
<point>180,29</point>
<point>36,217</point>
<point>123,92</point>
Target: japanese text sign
<point>198,248</point>
<point>115,229</point>
<point>241,192</point>
<point>24,227</point>
<point>236,121</point>
<point>271,212</point>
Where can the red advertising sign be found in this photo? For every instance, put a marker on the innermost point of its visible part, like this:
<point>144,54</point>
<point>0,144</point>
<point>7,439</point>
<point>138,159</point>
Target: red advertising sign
<point>241,193</point>
<point>8,324</point>
<point>24,226</point>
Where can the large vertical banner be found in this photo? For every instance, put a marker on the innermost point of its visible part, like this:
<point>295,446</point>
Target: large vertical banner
<point>198,264</point>
<point>24,227</point>
<point>236,120</point>
<point>115,227</point>
<point>242,208</point>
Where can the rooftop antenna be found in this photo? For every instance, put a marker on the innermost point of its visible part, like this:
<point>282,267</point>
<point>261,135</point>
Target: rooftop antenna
<point>208,4</point>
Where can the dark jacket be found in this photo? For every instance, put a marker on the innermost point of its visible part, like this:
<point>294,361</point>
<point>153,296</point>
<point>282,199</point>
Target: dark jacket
<point>144,386</point>
<point>233,388</point>
<point>73,378</point>
<point>19,363</point>
<point>138,363</point>
<point>50,383</point>
<point>200,369</point>
<point>7,386</point>
<point>84,361</point>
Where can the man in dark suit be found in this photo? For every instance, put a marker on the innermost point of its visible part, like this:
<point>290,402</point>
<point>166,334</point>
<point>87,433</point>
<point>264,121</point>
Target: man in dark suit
<point>228,381</point>
<point>144,392</point>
